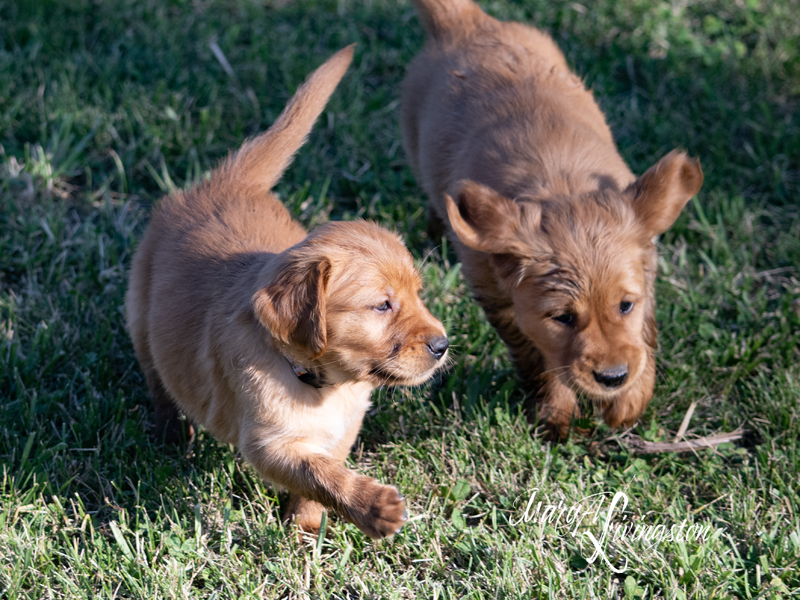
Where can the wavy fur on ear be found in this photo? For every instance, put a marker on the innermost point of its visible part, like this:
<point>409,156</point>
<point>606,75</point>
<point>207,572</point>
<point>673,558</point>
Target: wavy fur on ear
<point>292,306</point>
<point>489,222</point>
<point>664,189</point>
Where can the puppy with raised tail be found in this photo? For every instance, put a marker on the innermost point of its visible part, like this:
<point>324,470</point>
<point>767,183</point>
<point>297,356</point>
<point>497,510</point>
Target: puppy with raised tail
<point>271,338</point>
<point>555,233</point>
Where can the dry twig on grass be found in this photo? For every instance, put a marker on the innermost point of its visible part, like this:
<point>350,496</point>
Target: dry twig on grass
<point>639,446</point>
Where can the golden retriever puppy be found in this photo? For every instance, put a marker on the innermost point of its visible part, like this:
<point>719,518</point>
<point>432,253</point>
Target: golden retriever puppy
<point>555,233</point>
<point>273,339</point>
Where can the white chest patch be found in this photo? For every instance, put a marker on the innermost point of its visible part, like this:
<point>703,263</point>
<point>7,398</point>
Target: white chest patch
<point>301,414</point>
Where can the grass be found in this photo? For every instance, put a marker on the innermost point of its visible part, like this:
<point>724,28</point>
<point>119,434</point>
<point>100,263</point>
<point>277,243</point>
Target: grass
<point>105,106</point>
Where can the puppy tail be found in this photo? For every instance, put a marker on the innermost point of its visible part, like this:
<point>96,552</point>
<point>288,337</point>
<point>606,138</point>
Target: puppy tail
<point>262,160</point>
<point>441,19</point>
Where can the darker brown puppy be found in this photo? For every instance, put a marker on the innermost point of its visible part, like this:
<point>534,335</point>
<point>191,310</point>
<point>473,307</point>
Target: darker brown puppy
<point>274,339</point>
<point>556,235</point>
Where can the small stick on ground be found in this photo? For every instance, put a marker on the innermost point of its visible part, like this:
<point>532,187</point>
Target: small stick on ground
<point>639,446</point>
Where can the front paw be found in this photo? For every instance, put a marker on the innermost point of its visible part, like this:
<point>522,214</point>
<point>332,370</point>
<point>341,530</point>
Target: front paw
<point>557,410</point>
<point>377,510</point>
<point>559,426</point>
<point>625,410</point>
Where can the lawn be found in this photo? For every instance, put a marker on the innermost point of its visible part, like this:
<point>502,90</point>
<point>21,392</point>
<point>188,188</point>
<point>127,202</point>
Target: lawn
<point>105,106</point>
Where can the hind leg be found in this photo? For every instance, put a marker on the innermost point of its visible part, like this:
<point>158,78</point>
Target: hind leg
<point>435,228</point>
<point>170,426</point>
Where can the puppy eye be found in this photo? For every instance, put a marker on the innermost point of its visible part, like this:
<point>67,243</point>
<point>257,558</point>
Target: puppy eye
<point>382,308</point>
<point>566,318</point>
<point>625,307</point>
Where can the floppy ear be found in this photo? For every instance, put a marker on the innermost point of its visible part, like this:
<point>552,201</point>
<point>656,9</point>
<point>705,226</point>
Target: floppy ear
<point>484,220</point>
<point>292,306</point>
<point>665,188</point>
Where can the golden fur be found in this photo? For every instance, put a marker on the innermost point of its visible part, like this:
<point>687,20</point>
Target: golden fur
<point>226,289</point>
<point>556,235</point>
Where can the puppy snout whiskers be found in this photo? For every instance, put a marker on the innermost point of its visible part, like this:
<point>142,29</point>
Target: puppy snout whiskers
<point>613,377</point>
<point>438,346</point>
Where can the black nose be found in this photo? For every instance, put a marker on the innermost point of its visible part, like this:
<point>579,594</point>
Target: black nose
<point>613,377</point>
<point>438,346</point>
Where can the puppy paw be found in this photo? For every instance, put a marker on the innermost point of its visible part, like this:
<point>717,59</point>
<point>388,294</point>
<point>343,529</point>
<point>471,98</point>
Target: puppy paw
<point>624,410</point>
<point>304,514</point>
<point>618,414</point>
<point>558,413</point>
<point>377,510</point>
<point>559,431</point>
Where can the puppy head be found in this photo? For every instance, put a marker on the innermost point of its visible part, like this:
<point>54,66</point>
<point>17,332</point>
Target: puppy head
<point>580,270</point>
<point>346,302</point>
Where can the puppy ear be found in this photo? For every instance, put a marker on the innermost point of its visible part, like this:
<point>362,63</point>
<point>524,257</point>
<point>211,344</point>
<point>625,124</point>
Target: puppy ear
<point>661,193</point>
<point>484,220</point>
<point>292,306</point>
